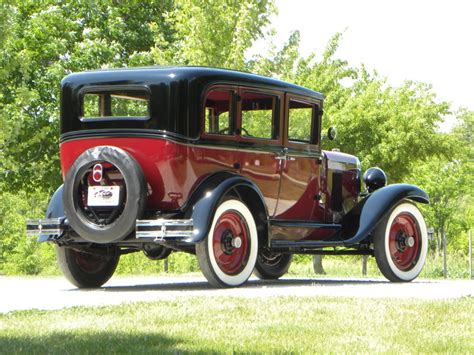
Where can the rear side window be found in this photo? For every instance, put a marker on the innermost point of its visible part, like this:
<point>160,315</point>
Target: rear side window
<point>115,105</point>
<point>258,115</point>
<point>301,121</point>
<point>218,117</point>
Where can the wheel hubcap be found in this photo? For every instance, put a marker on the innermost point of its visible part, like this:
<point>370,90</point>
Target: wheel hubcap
<point>231,243</point>
<point>404,241</point>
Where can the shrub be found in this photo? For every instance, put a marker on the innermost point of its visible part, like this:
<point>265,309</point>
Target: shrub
<point>19,254</point>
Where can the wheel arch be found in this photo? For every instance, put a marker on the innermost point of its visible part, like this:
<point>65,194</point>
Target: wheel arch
<point>368,213</point>
<point>207,196</point>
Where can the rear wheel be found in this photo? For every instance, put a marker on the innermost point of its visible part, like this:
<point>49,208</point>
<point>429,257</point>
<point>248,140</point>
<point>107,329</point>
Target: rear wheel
<point>271,266</point>
<point>401,243</point>
<point>87,269</point>
<point>228,254</point>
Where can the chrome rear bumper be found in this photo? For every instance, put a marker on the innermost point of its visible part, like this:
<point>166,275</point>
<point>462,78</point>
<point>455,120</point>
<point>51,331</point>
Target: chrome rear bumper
<point>46,228</point>
<point>161,229</point>
<point>49,229</point>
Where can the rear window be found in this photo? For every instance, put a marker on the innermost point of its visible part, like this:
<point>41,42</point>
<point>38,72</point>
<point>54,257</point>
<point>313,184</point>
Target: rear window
<point>115,105</point>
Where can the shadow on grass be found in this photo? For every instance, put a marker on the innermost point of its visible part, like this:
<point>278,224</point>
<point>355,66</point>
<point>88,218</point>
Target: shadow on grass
<point>86,342</point>
<point>252,284</point>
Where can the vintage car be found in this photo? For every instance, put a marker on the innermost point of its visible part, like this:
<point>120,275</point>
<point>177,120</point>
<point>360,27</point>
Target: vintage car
<point>222,164</point>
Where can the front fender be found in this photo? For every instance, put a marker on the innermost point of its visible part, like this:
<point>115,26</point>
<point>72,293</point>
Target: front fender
<point>365,216</point>
<point>203,210</point>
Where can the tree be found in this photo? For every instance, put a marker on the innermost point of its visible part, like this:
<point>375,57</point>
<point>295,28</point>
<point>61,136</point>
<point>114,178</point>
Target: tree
<point>44,41</point>
<point>390,127</point>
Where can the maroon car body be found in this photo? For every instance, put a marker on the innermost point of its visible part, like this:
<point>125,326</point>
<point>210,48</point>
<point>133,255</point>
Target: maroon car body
<point>223,164</point>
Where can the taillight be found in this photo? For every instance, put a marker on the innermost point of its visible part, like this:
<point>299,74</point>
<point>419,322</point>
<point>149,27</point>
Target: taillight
<point>97,172</point>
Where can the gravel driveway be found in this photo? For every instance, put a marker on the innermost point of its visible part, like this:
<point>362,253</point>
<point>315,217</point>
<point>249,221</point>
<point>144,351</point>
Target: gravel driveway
<point>21,293</point>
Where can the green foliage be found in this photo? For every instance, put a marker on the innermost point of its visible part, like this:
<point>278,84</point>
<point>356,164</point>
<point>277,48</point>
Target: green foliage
<point>18,254</point>
<point>216,33</point>
<point>384,126</point>
<point>45,41</point>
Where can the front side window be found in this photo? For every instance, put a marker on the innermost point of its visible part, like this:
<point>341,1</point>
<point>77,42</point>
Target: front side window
<point>258,115</point>
<point>217,114</point>
<point>300,121</point>
<point>115,104</point>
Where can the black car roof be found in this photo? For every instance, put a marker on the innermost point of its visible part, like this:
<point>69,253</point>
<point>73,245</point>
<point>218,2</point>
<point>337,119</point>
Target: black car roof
<point>204,75</point>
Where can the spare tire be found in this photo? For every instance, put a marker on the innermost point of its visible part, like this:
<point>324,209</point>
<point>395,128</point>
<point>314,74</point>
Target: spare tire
<point>110,172</point>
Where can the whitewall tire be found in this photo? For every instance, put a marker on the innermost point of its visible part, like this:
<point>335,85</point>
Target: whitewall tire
<point>401,243</point>
<point>228,254</point>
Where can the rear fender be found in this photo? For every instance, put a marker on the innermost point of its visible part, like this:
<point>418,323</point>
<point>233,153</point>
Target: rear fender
<point>210,195</point>
<point>55,209</point>
<point>366,215</point>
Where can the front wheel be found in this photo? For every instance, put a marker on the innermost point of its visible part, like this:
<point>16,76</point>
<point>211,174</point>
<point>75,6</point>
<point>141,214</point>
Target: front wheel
<point>401,243</point>
<point>87,269</point>
<point>272,266</point>
<point>228,253</point>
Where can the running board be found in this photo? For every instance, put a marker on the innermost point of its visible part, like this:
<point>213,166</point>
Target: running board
<point>302,224</point>
<point>279,244</point>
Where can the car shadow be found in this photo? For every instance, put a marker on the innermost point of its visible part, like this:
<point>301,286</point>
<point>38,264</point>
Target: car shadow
<point>251,284</point>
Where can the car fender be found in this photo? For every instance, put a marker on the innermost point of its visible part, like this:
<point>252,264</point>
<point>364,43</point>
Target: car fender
<point>366,215</point>
<point>210,196</point>
<point>55,209</point>
<point>55,206</point>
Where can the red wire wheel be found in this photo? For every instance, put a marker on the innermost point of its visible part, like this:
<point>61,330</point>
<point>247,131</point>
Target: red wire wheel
<point>230,242</point>
<point>401,243</point>
<point>228,254</point>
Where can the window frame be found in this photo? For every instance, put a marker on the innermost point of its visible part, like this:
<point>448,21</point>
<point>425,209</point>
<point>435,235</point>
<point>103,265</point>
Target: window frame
<point>113,88</point>
<point>232,113</point>
<point>315,139</point>
<point>276,115</point>
<point>236,114</point>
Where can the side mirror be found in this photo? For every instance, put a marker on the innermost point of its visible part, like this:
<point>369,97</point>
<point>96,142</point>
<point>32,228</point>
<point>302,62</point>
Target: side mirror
<point>332,133</point>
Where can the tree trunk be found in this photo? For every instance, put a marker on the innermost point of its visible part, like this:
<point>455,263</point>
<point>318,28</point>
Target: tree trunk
<point>364,265</point>
<point>445,262</point>
<point>318,265</point>
<point>438,243</point>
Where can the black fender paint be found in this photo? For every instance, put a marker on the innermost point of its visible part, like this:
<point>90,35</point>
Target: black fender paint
<point>203,210</point>
<point>55,209</point>
<point>366,215</point>
<point>55,206</point>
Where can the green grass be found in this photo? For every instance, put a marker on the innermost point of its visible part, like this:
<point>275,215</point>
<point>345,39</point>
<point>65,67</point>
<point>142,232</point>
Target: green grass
<point>275,324</point>
<point>335,266</point>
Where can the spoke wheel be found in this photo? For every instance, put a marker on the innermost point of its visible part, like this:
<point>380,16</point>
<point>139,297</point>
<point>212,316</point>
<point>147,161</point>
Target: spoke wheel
<point>86,269</point>
<point>401,243</point>
<point>228,254</point>
<point>271,266</point>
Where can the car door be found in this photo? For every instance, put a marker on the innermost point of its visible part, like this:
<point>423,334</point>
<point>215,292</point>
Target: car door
<point>260,140</point>
<point>300,196</point>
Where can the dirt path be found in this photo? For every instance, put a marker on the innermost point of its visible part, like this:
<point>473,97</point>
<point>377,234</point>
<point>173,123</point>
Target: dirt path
<point>21,293</point>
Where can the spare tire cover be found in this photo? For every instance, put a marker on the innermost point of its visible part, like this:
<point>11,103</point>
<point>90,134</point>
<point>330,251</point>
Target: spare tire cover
<point>111,223</point>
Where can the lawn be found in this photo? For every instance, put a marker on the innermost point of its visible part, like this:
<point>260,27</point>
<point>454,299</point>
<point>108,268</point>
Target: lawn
<point>275,324</point>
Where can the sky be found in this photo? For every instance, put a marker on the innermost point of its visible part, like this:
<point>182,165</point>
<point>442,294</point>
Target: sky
<point>427,41</point>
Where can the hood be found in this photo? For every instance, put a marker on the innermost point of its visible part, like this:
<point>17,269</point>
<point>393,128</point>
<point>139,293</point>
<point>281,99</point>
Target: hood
<point>341,161</point>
